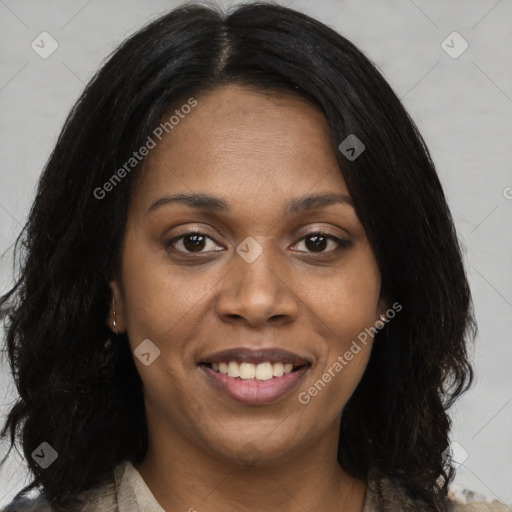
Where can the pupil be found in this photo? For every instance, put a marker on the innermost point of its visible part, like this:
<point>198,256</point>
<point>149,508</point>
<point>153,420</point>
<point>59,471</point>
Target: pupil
<point>193,242</point>
<point>319,242</point>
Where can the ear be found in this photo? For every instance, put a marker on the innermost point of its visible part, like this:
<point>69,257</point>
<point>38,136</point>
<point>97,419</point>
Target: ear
<point>382,306</point>
<point>116,318</point>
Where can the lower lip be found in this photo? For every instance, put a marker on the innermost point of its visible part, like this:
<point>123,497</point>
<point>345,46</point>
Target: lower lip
<point>255,391</point>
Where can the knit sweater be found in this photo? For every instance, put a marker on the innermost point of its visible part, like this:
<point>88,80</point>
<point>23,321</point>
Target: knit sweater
<point>127,492</point>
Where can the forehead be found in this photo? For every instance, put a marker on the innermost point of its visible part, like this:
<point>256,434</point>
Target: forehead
<point>244,143</point>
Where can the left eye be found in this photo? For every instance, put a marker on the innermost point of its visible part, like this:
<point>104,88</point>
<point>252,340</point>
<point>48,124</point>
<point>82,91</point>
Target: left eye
<point>194,242</point>
<point>317,242</point>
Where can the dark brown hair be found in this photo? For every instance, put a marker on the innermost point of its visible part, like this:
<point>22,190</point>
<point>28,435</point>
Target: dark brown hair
<point>86,400</point>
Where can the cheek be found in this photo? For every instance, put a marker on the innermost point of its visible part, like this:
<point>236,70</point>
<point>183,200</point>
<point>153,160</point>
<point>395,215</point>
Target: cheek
<point>159,306</point>
<point>158,301</point>
<point>348,310</point>
<point>349,301</point>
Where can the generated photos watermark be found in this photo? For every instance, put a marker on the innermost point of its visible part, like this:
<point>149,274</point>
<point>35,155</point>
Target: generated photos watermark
<point>146,352</point>
<point>45,455</point>
<point>151,143</point>
<point>305,397</point>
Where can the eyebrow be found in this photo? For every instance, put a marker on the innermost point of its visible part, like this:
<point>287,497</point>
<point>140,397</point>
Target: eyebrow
<point>212,203</point>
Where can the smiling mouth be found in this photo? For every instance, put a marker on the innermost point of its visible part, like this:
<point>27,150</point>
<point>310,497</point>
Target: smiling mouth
<point>253,390</point>
<point>254,372</point>
<point>254,377</point>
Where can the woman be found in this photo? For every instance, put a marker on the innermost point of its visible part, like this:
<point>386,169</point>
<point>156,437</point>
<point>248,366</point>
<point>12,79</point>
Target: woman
<point>242,288</point>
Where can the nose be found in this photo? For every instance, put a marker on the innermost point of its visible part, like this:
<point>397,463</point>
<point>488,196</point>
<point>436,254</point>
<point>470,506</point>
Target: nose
<point>258,293</point>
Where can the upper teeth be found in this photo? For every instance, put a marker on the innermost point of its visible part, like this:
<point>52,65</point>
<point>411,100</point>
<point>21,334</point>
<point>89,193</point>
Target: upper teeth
<point>262,371</point>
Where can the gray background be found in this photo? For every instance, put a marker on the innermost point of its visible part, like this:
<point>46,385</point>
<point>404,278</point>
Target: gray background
<point>463,108</point>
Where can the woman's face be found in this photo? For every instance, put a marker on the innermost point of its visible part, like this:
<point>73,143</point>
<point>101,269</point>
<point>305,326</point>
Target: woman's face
<point>267,279</point>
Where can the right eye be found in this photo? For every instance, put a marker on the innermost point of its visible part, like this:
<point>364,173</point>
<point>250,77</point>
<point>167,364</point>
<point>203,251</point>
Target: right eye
<point>191,242</point>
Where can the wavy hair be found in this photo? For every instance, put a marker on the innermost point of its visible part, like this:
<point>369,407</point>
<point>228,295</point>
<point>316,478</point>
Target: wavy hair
<point>78,386</point>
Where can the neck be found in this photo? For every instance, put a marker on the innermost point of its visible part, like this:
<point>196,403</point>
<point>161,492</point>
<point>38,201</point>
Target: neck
<point>182,476</point>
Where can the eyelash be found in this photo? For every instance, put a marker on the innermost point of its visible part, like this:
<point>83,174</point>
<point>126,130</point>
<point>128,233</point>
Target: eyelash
<point>342,244</point>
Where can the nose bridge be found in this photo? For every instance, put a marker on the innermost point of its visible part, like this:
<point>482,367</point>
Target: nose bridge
<point>255,287</point>
<point>256,264</point>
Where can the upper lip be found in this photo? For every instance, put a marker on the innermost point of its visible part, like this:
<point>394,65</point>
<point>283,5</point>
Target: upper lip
<point>246,355</point>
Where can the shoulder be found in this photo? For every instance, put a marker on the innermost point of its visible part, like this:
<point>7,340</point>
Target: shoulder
<point>99,499</point>
<point>95,500</point>
<point>28,505</point>
<point>465,500</point>
<point>99,502</point>
<point>481,506</point>
<point>386,494</point>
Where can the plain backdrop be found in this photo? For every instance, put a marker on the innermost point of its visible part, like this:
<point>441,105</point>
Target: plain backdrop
<point>462,106</point>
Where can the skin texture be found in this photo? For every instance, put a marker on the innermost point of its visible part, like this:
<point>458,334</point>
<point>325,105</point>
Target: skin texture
<point>257,151</point>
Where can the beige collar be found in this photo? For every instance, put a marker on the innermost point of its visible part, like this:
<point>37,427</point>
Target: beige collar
<point>134,494</point>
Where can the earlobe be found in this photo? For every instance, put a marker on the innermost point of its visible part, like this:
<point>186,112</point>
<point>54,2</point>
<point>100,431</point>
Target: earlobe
<point>383,307</point>
<point>116,318</point>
